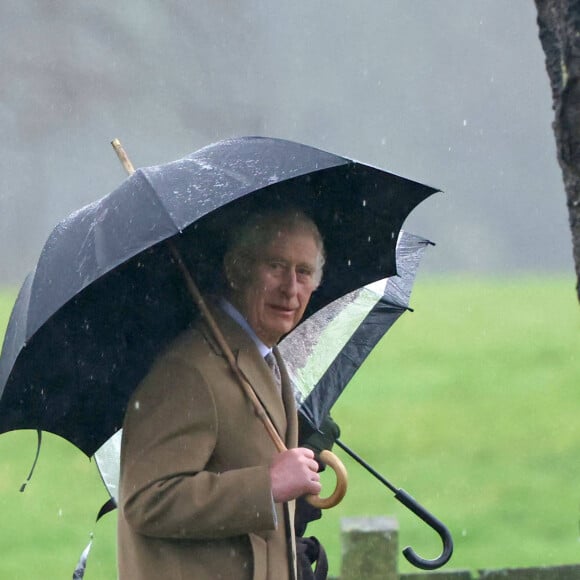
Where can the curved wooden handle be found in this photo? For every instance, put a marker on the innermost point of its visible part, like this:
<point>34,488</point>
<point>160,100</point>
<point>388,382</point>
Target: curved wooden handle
<point>339,469</point>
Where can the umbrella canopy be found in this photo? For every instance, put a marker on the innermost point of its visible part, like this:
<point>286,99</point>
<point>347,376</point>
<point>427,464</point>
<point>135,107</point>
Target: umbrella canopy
<point>106,295</point>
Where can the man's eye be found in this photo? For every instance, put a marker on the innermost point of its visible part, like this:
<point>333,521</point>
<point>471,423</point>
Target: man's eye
<point>305,273</point>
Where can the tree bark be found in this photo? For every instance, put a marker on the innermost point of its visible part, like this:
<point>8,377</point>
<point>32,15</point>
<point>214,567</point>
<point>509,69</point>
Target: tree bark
<point>559,24</point>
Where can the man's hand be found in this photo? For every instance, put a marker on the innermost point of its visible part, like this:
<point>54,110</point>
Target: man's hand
<point>320,439</point>
<point>294,473</point>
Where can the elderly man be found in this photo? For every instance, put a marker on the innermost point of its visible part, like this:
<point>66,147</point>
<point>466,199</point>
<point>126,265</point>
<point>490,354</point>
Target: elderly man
<point>204,494</point>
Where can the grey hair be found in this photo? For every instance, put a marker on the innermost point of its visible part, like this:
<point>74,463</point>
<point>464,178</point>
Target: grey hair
<point>259,231</point>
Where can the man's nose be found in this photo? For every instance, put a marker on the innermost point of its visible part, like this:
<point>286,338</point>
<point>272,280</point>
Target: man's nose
<point>290,282</point>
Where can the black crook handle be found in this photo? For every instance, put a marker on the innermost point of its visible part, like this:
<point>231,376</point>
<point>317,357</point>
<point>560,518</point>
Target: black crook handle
<point>410,502</point>
<point>418,510</point>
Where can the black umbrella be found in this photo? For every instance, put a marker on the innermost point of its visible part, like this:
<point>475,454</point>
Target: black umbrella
<point>106,295</point>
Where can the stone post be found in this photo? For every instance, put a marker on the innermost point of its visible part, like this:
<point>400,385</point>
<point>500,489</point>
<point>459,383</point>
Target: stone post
<point>369,548</point>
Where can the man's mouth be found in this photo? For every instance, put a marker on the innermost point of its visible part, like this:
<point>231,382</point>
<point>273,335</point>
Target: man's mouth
<point>282,309</point>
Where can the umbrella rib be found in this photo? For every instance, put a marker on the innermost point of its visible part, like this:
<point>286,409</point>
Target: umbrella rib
<point>130,169</point>
<point>166,210</point>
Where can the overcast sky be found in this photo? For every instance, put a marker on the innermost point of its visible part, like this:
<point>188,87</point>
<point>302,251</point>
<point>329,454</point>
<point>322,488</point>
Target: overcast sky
<point>451,93</point>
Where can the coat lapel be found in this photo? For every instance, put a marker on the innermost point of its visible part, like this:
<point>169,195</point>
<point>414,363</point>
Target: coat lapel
<point>259,375</point>
<point>253,368</point>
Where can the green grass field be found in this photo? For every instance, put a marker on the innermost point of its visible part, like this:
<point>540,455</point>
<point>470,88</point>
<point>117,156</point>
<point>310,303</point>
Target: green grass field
<point>471,404</point>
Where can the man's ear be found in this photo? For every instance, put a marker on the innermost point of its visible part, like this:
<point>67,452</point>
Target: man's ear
<point>236,271</point>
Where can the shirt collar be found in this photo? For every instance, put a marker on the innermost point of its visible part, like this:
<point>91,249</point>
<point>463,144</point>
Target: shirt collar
<point>237,316</point>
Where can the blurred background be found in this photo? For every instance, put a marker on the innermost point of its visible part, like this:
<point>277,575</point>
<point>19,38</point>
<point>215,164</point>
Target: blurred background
<point>450,93</point>
<point>474,397</point>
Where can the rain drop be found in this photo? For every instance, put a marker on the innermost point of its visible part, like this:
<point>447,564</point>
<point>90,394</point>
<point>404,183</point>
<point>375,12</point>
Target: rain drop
<point>137,405</point>
<point>60,513</point>
<point>348,262</point>
<point>465,122</point>
<point>364,202</point>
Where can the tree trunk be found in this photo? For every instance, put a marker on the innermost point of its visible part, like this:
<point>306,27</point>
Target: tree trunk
<point>559,23</point>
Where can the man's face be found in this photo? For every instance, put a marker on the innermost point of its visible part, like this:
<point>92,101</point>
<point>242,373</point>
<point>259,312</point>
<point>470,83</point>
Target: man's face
<point>280,285</point>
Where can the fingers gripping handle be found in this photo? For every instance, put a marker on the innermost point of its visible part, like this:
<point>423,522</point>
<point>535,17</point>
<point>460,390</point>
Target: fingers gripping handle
<point>339,469</point>
<point>410,502</point>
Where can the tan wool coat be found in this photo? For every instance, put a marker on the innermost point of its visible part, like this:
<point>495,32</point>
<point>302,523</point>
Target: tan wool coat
<point>195,498</point>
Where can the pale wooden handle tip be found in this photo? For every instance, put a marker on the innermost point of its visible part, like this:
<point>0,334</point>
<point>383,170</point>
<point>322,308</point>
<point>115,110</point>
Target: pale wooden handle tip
<point>330,459</point>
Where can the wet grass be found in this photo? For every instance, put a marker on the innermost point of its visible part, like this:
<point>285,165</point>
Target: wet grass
<point>470,404</point>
